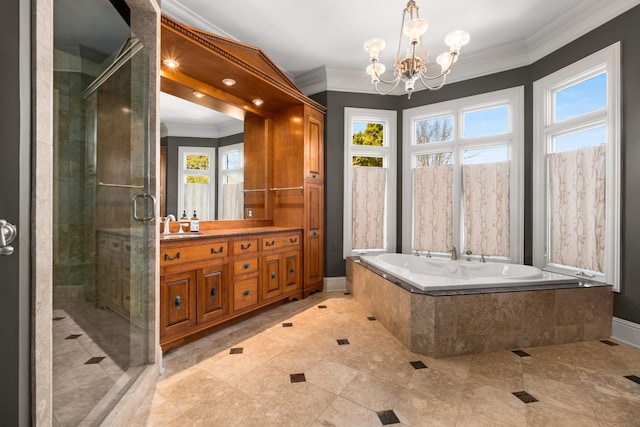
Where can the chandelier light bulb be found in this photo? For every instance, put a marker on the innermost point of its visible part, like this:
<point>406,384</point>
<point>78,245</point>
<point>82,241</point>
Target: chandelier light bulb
<point>374,47</point>
<point>415,28</point>
<point>456,39</point>
<point>445,60</point>
<point>375,70</point>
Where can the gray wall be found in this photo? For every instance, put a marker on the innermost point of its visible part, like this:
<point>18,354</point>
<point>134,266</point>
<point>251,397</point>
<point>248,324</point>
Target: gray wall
<point>623,28</point>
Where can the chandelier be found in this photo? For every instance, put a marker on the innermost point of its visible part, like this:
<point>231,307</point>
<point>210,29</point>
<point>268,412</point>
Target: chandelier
<point>415,64</point>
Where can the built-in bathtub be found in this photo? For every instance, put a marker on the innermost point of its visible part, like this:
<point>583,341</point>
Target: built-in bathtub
<point>475,310</point>
<point>432,274</point>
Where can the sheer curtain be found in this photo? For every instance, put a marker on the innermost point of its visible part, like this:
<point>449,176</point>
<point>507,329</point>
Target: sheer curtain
<point>577,206</point>
<point>232,201</point>
<point>433,208</point>
<point>486,208</point>
<point>369,187</point>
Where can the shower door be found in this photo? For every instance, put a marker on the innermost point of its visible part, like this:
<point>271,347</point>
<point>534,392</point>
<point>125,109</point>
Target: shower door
<point>103,210</point>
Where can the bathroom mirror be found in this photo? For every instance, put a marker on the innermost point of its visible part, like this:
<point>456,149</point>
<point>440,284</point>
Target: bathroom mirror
<point>210,166</point>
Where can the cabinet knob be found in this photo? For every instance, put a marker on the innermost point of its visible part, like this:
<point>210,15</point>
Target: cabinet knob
<point>213,292</point>
<point>273,275</point>
<point>292,270</point>
<point>178,302</point>
<point>246,266</point>
<point>246,293</point>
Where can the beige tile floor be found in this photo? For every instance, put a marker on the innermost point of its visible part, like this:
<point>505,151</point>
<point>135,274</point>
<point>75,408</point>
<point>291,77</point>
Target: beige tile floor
<point>205,383</point>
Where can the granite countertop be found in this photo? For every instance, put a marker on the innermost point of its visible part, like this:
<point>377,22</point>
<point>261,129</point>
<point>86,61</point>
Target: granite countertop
<point>205,234</point>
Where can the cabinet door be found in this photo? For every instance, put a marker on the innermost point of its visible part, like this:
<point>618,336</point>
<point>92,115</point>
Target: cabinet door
<point>314,238</point>
<point>271,277</point>
<point>212,293</point>
<point>178,304</point>
<point>314,146</point>
<point>291,271</point>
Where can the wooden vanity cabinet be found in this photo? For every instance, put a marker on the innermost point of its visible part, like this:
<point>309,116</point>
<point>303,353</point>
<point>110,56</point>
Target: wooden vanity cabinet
<point>205,282</point>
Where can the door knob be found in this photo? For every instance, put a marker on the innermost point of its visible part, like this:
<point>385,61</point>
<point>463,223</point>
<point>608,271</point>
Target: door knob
<point>8,232</point>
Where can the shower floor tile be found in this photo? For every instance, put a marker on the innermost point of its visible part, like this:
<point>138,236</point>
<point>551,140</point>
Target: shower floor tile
<point>591,383</point>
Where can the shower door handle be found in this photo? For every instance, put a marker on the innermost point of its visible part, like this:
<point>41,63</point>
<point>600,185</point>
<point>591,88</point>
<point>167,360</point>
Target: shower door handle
<point>8,232</point>
<point>134,207</point>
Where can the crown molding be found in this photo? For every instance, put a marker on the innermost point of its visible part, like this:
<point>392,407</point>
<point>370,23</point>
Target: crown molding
<point>575,23</point>
<point>186,16</point>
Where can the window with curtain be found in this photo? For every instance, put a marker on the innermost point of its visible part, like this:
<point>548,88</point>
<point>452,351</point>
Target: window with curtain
<point>576,168</point>
<point>463,177</point>
<point>231,182</point>
<point>369,212</point>
<point>196,191</point>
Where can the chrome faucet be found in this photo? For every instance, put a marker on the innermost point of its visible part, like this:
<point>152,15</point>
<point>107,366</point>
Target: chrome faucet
<point>167,229</point>
<point>454,253</point>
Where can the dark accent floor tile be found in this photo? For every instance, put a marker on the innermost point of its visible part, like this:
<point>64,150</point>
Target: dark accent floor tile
<point>388,417</point>
<point>59,318</point>
<point>371,318</point>
<point>418,364</point>
<point>73,337</point>
<point>94,360</point>
<point>524,396</point>
<point>297,378</point>
<point>236,350</point>
<point>521,353</point>
<point>634,378</point>
<point>322,306</point>
<point>287,325</point>
<point>343,341</point>
<point>347,293</point>
<point>608,342</point>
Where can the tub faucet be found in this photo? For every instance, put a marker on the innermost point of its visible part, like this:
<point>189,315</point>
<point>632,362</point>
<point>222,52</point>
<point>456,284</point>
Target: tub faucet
<point>454,253</point>
<point>167,229</point>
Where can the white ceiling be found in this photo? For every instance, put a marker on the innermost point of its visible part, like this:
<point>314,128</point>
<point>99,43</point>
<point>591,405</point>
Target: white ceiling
<point>320,44</point>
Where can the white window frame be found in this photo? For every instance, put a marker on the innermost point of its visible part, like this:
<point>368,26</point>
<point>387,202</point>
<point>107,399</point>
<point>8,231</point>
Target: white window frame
<point>608,60</point>
<point>222,171</point>
<point>514,98</point>
<point>183,152</point>
<point>388,119</point>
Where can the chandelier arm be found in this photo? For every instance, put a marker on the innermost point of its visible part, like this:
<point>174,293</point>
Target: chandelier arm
<point>397,81</point>
<point>436,87</point>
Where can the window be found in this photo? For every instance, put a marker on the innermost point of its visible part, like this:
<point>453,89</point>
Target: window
<point>196,189</point>
<point>462,177</point>
<point>577,169</point>
<point>369,211</point>
<point>231,182</point>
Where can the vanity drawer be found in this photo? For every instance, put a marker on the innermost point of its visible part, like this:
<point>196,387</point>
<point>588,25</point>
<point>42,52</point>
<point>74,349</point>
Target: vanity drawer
<point>245,246</point>
<point>246,266</point>
<point>278,242</point>
<point>182,254</point>
<point>245,293</point>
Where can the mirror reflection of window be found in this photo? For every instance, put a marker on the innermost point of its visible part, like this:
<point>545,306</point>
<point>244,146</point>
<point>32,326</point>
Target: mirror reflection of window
<point>196,191</point>
<point>231,182</point>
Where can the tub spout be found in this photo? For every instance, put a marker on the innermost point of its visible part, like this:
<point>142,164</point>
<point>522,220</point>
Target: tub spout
<point>454,253</point>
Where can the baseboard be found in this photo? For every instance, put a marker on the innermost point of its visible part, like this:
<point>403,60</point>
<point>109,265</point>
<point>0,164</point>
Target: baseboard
<point>625,332</point>
<point>335,284</point>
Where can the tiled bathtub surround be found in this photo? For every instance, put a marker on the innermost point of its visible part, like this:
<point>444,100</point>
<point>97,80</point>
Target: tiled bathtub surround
<point>447,325</point>
<point>300,376</point>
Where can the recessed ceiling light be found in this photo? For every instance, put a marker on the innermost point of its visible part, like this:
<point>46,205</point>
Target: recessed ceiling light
<point>258,102</point>
<point>171,63</point>
<point>198,94</point>
<point>229,82</point>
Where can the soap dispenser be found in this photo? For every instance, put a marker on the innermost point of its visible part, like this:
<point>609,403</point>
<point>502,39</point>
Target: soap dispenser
<point>195,223</point>
<point>184,222</point>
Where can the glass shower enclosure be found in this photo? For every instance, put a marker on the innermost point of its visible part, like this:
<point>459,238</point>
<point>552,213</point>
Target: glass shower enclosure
<point>102,209</point>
